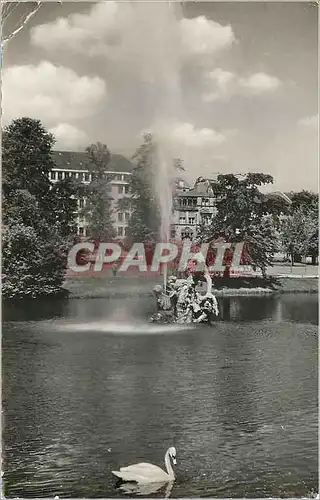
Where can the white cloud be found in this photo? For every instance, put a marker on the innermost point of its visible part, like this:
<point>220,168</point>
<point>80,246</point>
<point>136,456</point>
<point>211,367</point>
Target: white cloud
<point>107,30</point>
<point>80,33</point>
<point>309,121</point>
<point>69,137</point>
<point>186,134</point>
<point>224,84</point>
<point>202,36</point>
<point>50,93</point>
<point>259,83</point>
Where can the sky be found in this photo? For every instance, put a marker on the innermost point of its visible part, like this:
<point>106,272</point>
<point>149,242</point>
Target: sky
<point>227,86</point>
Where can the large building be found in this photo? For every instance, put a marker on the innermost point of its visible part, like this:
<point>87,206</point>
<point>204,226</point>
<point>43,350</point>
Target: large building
<point>192,208</point>
<point>74,164</point>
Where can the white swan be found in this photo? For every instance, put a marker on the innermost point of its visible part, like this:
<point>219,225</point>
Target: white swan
<point>144,473</point>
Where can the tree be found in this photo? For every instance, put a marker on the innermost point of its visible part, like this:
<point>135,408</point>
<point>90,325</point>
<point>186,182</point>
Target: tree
<point>26,157</point>
<point>145,217</point>
<point>303,199</point>
<point>38,217</point>
<point>98,209</point>
<point>63,197</point>
<point>300,234</point>
<point>243,215</point>
<point>143,203</point>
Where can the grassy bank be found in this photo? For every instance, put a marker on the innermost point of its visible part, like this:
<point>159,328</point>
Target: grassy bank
<point>123,286</point>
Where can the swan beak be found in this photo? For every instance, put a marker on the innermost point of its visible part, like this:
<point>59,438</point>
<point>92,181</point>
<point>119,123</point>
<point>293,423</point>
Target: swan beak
<point>174,461</point>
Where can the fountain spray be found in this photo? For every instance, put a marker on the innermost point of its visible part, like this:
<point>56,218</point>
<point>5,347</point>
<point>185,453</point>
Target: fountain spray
<point>167,52</point>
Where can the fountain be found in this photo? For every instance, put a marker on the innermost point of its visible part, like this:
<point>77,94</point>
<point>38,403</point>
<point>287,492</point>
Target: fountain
<point>162,76</point>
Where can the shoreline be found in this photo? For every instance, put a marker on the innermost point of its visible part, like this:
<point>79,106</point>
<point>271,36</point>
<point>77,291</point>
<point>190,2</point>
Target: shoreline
<point>103,287</point>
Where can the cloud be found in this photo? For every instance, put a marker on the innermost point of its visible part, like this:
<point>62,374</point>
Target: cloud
<point>178,134</point>
<point>50,93</point>
<point>202,36</point>
<point>107,30</point>
<point>224,84</point>
<point>259,83</point>
<point>68,137</point>
<point>188,135</point>
<point>309,122</point>
<point>80,33</point>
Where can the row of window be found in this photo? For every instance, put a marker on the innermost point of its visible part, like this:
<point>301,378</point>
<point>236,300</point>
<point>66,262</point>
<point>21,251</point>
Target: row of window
<point>183,220</point>
<point>123,216</point>
<point>85,176</point>
<point>121,231</point>
<point>192,220</point>
<point>192,202</point>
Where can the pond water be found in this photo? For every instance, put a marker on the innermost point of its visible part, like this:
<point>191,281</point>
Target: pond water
<point>89,386</point>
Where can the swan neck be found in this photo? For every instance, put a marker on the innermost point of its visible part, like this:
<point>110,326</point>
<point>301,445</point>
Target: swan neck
<point>168,465</point>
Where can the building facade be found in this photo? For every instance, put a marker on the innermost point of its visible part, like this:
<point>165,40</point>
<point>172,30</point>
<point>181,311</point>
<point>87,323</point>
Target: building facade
<point>192,209</point>
<point>74,165</point>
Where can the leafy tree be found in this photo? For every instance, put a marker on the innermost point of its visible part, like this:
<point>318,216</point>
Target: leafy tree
<point>63,197</point>
<point>145,217</point>
<point>243,215</point>
<point>300,234</point>
<point>303,199</point>
<point>143,203</point>
<point>98,209</point>
<point>37,216</point>
<point>26,157</point>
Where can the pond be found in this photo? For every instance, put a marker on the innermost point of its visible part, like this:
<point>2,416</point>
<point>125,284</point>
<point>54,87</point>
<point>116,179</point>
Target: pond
<point>89,386</point>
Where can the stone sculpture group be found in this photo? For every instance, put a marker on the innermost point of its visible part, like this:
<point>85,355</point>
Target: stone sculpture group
<point>180,302</point>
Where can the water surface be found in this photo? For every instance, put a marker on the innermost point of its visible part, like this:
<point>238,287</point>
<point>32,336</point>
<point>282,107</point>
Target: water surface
<point>84,393</point>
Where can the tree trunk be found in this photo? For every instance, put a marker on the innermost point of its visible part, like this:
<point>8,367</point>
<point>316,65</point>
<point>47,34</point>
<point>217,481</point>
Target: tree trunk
<point>292,259</point>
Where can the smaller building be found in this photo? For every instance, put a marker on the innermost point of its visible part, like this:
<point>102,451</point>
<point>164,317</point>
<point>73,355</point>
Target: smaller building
<point>192,208</point>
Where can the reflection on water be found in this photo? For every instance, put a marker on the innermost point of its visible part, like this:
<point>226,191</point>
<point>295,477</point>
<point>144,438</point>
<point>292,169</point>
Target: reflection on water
<point>238,400</point>
<point>147,489</point>
<point>287,307</point>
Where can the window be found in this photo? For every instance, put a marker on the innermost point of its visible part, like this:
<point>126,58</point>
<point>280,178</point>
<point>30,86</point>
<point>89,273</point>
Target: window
<point>80,176</point>
<point>73,175</point>
<point>81,203</point>
<point>127,216</point>
<point>182,220</point>
<point>59,176</point>
<point>126,189</point>
<point>81,231</point>
<point>126,231</point>
<point>120,231</point>
<point>120,189</point>
<point>192,220</point>
<point>53,175</point>
<point>186,235</point>
<point>120,217</point>
<point>86,176</point>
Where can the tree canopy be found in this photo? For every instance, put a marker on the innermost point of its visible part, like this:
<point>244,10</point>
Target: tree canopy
<point>38,217</point>
<point>98,209</point>
<point>245,214</point>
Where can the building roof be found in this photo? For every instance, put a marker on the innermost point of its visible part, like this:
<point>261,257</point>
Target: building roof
<point>75,160</point>
<point>188,193</point>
